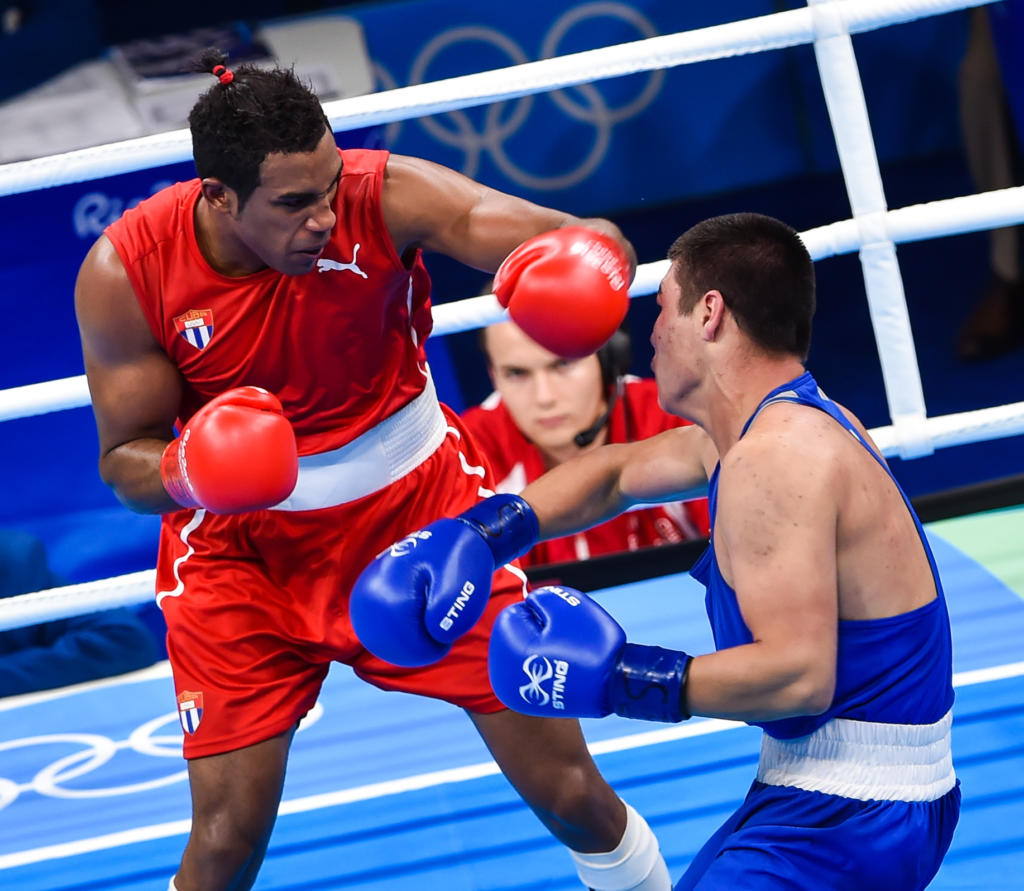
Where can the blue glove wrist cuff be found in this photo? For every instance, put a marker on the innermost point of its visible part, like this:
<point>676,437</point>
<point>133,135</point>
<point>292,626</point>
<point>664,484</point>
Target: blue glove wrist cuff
<point>506,522</point>
<point>650,683</point>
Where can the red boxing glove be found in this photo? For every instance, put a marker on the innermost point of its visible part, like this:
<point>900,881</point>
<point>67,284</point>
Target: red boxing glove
<point>236,454</point>
<point>568,289</point>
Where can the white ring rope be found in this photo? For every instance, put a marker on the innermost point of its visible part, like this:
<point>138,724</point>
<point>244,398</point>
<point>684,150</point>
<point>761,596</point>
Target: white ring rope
<point>775,31</point>
<point>77,600</point>
<point>873,231</point>
<point>950,216</point>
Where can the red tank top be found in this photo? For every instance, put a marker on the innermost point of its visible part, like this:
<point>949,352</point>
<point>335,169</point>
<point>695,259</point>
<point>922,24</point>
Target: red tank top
<point>341,346</point>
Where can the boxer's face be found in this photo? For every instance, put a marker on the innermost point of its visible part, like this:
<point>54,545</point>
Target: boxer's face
<point>551,399</point>
<point>675,339</point>
<point>288,219</point>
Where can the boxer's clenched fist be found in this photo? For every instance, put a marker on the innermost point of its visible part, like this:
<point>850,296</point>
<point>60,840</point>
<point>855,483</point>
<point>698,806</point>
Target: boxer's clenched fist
<point>567,289</point>
<point>236,454</point>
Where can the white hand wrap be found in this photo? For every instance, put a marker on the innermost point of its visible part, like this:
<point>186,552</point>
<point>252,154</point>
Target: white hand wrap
<point>636,863</point>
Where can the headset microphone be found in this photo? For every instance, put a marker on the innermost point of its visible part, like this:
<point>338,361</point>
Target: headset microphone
<point>614,358</point>
<point>587,436</point>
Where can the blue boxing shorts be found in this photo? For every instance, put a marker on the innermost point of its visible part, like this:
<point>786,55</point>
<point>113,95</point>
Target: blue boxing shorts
<point>787,837</point>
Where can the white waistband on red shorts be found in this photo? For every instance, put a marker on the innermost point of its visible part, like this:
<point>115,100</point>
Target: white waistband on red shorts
<point>371,462</point>
<point>864,760</point>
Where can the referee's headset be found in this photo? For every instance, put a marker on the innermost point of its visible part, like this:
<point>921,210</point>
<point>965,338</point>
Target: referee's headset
<point>614,357</point>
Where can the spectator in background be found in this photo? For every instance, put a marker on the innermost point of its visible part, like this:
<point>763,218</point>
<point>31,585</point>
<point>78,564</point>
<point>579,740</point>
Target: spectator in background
<point>546,409</point>
<point>996,322</point>
<point>65,651</point>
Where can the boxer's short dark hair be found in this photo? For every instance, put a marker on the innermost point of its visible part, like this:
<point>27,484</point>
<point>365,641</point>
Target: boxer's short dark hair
<point>261,111</point>
<point>763,271</point>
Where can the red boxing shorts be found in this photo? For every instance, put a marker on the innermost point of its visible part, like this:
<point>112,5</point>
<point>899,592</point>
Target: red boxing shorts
<point>257,605</point>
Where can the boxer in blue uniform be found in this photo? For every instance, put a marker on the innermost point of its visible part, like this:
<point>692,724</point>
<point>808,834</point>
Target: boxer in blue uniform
<point>830,624</point>
<point>818,815</point>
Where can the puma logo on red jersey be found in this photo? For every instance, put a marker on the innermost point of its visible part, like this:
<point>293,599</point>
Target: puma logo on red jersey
<point>333,265</point>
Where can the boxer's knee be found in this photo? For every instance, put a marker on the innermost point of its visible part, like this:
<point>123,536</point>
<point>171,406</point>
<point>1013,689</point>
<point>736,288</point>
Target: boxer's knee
<point>234,804</point>
<point>224,850</point>
<point>580,809</point>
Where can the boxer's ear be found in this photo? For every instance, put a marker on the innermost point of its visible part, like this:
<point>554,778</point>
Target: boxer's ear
<point>219,196</point>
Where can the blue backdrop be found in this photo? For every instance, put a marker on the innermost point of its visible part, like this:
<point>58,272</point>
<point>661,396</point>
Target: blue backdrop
<point>659,137</point>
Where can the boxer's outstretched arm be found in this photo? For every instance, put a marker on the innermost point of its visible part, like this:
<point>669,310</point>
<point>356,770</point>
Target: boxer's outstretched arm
<point>418,596</point>
<point>438,209</point>
<point>601,484</point>
<point>135,388</point>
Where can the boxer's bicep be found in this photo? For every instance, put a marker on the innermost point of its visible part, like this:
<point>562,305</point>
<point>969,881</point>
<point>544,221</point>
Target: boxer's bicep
<point>134,387</point>
<point>775,540</point>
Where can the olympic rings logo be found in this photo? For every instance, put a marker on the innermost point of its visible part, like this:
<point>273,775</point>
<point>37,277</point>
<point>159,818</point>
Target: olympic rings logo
<point>94,751</point>
<point>456,130</point>
<point>94,211</point>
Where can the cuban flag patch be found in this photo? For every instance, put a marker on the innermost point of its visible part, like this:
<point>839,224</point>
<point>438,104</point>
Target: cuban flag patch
<point>196,326</point>
<point>190,710</point>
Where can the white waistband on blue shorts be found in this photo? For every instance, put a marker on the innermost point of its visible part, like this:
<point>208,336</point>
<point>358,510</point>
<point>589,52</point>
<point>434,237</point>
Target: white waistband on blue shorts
<point>373,461</point>
<point>864,760</point>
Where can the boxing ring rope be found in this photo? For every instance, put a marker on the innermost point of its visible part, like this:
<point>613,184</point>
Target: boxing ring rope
<point>776,31</point>
<point>873,231</point>
<point>951,216</point>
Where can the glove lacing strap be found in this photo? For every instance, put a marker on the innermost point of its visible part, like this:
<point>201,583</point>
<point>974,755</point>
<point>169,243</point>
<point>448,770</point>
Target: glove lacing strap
<point>506,522</point>
<point>650,683</point>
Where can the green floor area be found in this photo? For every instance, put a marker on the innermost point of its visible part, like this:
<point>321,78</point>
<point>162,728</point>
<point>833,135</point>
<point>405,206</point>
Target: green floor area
<point>995,539</point>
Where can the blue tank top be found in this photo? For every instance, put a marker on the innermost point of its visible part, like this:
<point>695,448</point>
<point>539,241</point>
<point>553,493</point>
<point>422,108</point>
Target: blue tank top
<point>896,670</point>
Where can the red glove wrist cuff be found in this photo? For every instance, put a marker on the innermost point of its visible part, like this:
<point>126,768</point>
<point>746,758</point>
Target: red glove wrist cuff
<point>172,474</point>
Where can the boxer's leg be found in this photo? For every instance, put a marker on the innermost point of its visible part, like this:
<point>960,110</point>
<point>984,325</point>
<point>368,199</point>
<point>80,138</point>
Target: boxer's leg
<point>234,804</point>
<point>547,762</point>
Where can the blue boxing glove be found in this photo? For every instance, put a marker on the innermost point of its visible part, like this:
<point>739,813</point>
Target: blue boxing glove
<point>560,654</point>
<point>424,592</point>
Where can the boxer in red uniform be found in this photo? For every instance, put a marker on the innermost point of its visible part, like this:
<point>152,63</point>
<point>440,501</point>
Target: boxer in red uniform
<point>546,409</point>
<point>275,309</point>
